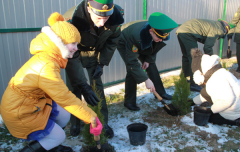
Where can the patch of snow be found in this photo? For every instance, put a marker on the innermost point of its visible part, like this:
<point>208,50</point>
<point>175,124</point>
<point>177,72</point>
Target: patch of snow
<point>156,136</point>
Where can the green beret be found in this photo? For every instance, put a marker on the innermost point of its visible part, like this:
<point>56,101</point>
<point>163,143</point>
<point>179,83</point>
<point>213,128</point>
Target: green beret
<point>101,7</point>
<point>104,1</point>
<point>162,22</point>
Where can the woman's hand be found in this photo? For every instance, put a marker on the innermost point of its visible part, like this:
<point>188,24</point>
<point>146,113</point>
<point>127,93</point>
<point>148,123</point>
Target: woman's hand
<point>96,130</point>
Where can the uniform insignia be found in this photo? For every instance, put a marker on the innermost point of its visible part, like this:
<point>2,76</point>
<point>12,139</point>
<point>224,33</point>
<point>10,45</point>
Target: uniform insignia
<point>121,11</point>
<point>119,26</point>
<point>134,49</point>
<point>105,7</point>
<point>235,15</point>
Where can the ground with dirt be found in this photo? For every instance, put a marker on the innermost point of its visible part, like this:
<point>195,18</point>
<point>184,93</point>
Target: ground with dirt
<point>165,132</point>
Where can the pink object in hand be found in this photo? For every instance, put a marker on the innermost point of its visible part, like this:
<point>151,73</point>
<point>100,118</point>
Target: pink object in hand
<point>97,130</point>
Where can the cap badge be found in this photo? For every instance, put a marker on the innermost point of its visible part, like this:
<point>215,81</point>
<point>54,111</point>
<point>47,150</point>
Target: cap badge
<point>105,7</point>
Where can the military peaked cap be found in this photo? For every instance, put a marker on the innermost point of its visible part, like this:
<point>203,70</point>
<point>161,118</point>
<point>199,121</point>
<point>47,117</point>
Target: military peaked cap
<point>161,24</point>
<point>101,7</point>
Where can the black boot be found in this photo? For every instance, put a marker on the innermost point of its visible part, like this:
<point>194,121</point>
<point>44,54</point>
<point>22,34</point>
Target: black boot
<point>33,147</point>
<point>238,122</point>
<point>166,96</point>
<point>75,126</point>
<point>61,148</point>
<point>132,107</point>
<point>238,70</point>
<point>195,87</point>
<point>109,132</point>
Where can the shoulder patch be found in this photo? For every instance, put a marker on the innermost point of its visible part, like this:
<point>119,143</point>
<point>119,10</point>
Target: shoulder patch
<point>119,26</point>
<point>235,15</point>
<point>134,49</point>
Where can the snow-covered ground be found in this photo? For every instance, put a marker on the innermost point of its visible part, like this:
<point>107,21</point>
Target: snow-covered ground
<point>157,138</point>
<point>152,143</point>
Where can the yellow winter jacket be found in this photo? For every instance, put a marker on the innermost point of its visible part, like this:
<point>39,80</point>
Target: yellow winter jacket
<point>26,103</point>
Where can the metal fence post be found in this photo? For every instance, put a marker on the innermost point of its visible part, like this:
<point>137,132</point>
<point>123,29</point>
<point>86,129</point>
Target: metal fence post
<point>221,43</point>
<point>144,9</point>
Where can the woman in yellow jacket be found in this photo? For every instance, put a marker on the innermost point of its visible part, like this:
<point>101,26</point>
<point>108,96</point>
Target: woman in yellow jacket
<point>37,104</point>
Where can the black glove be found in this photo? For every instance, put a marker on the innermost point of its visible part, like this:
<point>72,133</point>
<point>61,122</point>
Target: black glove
<point>98,71</point>
<point>203,109</point>
<point>88,94</point>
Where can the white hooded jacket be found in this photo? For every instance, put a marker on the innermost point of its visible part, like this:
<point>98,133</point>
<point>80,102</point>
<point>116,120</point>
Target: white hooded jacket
<point>223,88</point>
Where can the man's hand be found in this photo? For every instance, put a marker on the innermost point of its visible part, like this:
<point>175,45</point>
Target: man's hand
<point>96,130</point>
<point>145,65</point>
<point>88,94</point>
<point>98,71</point>
<point>149,85</point>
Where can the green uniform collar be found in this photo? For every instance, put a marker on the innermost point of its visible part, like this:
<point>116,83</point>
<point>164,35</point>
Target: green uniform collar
<point>145,37</point>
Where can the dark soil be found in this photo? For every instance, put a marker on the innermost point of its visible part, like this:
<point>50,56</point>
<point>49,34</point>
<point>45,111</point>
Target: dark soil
<point>160,117</point>
<point>104,148</point>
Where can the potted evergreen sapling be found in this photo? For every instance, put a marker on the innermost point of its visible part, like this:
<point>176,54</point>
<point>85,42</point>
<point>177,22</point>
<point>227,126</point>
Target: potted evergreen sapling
<point>181,95</point>
<point>89,142</point>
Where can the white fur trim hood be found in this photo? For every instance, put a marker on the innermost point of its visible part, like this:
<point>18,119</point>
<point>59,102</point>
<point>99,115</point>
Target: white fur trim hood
<point>56,40</point>
<point>208,62</point>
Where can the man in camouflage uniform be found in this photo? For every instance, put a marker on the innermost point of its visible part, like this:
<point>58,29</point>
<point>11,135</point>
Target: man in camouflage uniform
<point>141,40</point>
<point>203,31</point>
<point>236,20</point>
<point>98,22</point>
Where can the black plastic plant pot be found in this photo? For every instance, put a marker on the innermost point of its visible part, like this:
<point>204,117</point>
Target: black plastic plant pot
<point>137,133</point>
<point>200,119</point>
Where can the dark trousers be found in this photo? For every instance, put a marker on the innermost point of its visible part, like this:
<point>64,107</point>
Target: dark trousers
<point>238,53</point>
<point>89,61</point>
<point>186,44</point>
<point>219,120</point>
<point>131,84</point>
<point>100,91</point>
